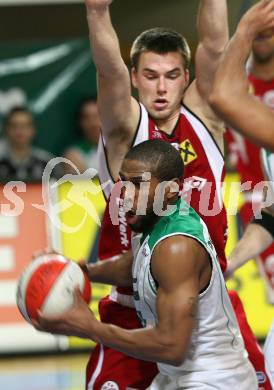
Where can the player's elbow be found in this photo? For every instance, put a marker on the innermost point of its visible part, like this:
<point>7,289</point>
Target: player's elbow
<point>174,354</point>
<point>176,357</point>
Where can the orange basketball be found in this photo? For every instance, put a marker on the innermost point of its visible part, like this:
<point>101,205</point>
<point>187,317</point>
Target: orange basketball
<point>48,283</point>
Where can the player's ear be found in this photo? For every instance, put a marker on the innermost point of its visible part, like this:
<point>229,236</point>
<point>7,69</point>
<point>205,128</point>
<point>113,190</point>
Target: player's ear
<point>134,77</point>
<point>173,188</point>
<point>187,77</point>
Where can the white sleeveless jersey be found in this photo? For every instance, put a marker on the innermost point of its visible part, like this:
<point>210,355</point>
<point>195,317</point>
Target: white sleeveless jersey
<point>268,166</point>
<point>216,343</point>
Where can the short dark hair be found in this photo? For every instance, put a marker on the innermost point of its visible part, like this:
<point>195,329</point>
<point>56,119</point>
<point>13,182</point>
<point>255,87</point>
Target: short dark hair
<point>160,40</point>
<point>14,111</point>
<point>165,161</point>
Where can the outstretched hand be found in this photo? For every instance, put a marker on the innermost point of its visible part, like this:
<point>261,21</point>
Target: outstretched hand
<point>79,321</point>
<point>258,18</point>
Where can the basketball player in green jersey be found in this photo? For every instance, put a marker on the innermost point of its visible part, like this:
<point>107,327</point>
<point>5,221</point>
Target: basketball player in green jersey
<point>190,328</point>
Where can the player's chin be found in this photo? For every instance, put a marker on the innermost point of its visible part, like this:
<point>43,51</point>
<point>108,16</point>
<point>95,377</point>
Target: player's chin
<point>159,114</point>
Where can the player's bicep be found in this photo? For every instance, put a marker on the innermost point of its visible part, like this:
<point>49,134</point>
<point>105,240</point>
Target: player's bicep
<point>174,266</point>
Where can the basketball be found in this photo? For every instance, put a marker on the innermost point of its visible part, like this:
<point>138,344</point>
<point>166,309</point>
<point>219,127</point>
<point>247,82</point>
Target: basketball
<point>47,284</point>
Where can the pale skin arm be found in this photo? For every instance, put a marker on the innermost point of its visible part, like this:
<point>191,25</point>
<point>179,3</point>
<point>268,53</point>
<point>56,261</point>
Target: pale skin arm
<point>119,112</point>
<point>76,158</point>
<point>179,285</point>
<point>230,98</point>
<point>212,25</point>
<point>254,241</point>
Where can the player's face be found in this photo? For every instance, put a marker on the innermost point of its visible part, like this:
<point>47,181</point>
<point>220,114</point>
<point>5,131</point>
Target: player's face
<point>263,46</point>
<point>139,194</point>
<point>20,130</point>
<point>161,81</point>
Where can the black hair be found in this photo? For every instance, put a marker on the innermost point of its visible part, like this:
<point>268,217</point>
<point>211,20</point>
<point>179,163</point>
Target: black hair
<point>161,41</point>
<point>165,161</point>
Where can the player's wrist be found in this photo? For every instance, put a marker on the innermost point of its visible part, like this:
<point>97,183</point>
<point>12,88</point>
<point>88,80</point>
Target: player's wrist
<point>246,33</point>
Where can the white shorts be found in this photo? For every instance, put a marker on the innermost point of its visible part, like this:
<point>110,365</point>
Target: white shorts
<point>242,377</point>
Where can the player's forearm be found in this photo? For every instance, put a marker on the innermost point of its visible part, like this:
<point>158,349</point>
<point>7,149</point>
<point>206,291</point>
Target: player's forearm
<point>254,241</point>
<point>146,344</point>
<point>231,80</point>
<point>104,43</point>
<point>116,271</point>
<point>236,107</point>
<point>212,25</point>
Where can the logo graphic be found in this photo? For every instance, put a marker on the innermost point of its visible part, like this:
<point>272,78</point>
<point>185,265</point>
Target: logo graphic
<point>110,385</point>
<point>195,183</point>
<point>187,152</point>
<point>261,377</point>
<point>75,195</point>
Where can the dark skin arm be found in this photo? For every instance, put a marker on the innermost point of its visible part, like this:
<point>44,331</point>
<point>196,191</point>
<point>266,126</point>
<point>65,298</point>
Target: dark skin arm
<point>115,271</point>
<point>182,269</point>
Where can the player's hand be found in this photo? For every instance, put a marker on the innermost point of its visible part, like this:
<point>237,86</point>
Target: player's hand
<point>79,321</point>
<point>258,19</point>
<point>98,4</point>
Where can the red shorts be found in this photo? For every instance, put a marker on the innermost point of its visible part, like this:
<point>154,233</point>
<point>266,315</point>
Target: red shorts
<point>109,369</point>
<point>255,354</point>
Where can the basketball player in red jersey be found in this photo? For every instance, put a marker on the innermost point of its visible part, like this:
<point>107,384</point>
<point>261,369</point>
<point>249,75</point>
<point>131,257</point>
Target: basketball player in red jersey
<point>160,59</point>
<point>246,155</point>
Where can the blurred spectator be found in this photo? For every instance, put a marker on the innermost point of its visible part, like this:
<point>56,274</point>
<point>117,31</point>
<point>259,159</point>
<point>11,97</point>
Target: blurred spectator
<point>19,160</point>
<point>84,153</point>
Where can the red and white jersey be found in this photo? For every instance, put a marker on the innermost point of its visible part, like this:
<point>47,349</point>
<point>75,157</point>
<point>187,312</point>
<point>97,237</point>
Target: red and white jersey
<point>202,187</point>
<point>243,153</point>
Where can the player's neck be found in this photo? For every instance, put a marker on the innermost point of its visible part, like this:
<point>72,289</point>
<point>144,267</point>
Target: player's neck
<point>263,71</point>
<point>168,124</point>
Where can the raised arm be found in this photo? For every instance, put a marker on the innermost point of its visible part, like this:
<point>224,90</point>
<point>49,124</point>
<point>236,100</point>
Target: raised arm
<point>212,26</point>
<point>230,97</point>
<point>119,112</point>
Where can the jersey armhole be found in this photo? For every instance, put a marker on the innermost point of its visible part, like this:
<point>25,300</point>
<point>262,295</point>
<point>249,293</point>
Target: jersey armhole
<point>205,126</point>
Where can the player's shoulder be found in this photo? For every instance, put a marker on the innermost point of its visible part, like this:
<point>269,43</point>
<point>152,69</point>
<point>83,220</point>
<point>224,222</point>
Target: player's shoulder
<point>183,221</point>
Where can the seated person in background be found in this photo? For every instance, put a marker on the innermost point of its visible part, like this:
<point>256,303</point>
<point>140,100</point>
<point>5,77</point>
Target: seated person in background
<point>84,153</point>
<point>19,160</point>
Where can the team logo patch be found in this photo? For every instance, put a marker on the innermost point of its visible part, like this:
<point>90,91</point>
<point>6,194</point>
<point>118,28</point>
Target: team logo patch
<point>187,152</point>
<point>261,377</point>
<point>110,385</point>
